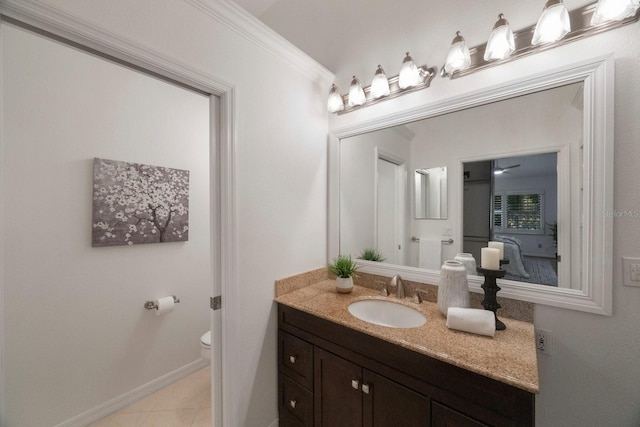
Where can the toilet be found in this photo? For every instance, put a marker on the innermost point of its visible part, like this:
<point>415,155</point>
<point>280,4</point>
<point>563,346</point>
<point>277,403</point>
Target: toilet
<point>205,345</point>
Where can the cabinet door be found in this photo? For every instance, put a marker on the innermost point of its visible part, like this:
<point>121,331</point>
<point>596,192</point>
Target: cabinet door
<point>389,404</point>
<point>336,393</point>
<point>444,416</point>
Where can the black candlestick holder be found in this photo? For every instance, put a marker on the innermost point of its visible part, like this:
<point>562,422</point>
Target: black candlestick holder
<point>491,288</point>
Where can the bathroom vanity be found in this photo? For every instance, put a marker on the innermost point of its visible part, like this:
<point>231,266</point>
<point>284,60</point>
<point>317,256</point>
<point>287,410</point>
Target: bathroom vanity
<point>336,370</point>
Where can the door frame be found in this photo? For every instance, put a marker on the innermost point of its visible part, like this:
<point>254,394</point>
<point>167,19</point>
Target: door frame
<point>401,200</point>
<point>52,23</point>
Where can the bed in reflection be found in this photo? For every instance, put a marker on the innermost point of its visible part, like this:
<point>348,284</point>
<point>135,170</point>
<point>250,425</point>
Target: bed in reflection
<point>523,268</point>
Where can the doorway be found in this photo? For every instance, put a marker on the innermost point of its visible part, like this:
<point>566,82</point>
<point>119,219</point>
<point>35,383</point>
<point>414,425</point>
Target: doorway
<point>390,207</point>
<point>63,106</point>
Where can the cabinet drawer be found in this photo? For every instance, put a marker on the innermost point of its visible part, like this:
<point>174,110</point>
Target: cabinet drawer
<point>295,403</point>
<point>296,359</point>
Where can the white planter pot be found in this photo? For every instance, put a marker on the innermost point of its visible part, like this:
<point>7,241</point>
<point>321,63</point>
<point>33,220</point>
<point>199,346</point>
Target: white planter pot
<point>344,285</point>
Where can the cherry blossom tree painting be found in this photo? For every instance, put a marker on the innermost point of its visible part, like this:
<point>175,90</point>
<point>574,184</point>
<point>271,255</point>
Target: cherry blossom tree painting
<point>135,203</point>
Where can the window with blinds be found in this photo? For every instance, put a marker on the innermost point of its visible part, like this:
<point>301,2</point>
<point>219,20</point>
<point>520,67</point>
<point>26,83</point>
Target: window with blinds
<point>518,212</point>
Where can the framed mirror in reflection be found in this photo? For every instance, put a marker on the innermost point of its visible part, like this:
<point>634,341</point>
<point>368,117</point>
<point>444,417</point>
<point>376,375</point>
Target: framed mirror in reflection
<point>528,165</point>
<point>430,193</point>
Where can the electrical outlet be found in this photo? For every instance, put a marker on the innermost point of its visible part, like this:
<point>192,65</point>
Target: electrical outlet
<point>543,341</point>
<point>631,271</point>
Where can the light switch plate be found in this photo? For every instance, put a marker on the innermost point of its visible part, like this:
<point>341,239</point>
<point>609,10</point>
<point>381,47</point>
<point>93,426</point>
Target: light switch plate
<point>631,271</point>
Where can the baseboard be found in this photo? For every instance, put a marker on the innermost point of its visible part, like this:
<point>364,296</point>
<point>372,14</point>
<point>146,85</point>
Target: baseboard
<point>132,396</point>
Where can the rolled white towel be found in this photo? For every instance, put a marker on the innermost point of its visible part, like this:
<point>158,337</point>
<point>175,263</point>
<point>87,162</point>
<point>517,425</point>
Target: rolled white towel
<point>472,320</point>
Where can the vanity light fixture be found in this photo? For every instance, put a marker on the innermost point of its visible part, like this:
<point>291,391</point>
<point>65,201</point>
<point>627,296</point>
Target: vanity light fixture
<point>614,10</point>
<point>501,43</point>
<point>335,102</point>
<point>409,73</point>
<point>585,21</point>
<point>380,84</point>
<point>356,94</point>
<point>553,24</point>
<point>382,88</point>
<point>458,58</point>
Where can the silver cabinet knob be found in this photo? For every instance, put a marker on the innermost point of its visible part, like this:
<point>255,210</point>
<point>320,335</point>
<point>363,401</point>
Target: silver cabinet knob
<point>355,384</point>
<point>292,403</point>
<point>365,388</point>
<point>293,358</point>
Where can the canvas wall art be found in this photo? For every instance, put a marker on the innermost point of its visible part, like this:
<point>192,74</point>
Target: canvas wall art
<point>135,203</point>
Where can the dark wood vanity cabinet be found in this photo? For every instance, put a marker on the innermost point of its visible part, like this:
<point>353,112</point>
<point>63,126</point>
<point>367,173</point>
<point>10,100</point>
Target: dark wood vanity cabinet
<point>346,395</point>
<point>334,376</point>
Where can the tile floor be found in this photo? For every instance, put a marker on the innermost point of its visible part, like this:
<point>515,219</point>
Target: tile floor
<point>185,403</point>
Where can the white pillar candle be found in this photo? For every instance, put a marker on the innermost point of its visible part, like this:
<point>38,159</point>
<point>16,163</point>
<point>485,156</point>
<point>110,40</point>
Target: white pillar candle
<point>499,246</point>
<point>490,258</point>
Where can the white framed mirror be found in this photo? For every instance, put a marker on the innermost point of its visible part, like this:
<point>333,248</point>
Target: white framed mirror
<point>582,195</point>
<point>430,193</point>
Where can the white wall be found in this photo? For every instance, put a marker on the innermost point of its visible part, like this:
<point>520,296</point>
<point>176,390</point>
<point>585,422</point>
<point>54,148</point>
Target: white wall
<point>279,193</point>
<point>358,165</point>
<point>592,376</point>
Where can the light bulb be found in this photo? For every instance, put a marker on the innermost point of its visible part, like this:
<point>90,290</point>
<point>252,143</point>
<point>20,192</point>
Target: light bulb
<point>334,102</point>
<point>501,43</point>
<point>379,84</point>
<point>409,73</point>
<point>553,24</point>
<point>356,93</point>
<point>458,58</point>
<point>614,10</point>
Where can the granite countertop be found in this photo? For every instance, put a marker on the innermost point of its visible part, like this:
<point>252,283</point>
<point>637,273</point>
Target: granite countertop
<point>509,357</point>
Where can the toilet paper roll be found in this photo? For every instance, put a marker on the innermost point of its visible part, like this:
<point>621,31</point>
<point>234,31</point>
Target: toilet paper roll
<point>165,305</point>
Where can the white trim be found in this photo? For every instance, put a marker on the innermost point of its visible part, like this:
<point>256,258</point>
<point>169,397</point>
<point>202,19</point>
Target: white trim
<point>333,198</point>
<point>61,24</point>
<point>2,310</point>
<point>597,73</point>
<point>124,400</point>
<point>401,169</point>
<point>228,265</point>
<point>510,89</point>
<point>248,26</point>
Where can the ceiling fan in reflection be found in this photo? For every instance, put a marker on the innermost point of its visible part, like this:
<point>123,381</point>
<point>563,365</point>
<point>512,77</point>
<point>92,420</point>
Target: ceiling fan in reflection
<point>498,170</point>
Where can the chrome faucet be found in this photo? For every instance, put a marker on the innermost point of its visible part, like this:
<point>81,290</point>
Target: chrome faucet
<point>397,283</point>
<point>419,296</point>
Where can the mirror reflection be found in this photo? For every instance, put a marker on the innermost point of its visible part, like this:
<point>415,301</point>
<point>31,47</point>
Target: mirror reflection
<point>517,159</point>
<point>513,200</point>
<point>430,193</point>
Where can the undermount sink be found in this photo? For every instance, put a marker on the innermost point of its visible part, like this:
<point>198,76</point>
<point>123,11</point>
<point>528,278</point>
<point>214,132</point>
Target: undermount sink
<point>387,313</point>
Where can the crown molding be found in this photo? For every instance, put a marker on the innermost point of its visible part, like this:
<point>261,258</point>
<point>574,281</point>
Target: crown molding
<point>242,22</point>
<point>67,26</point>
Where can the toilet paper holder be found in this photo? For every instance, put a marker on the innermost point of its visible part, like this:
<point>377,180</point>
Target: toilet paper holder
<point>151,305</point>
